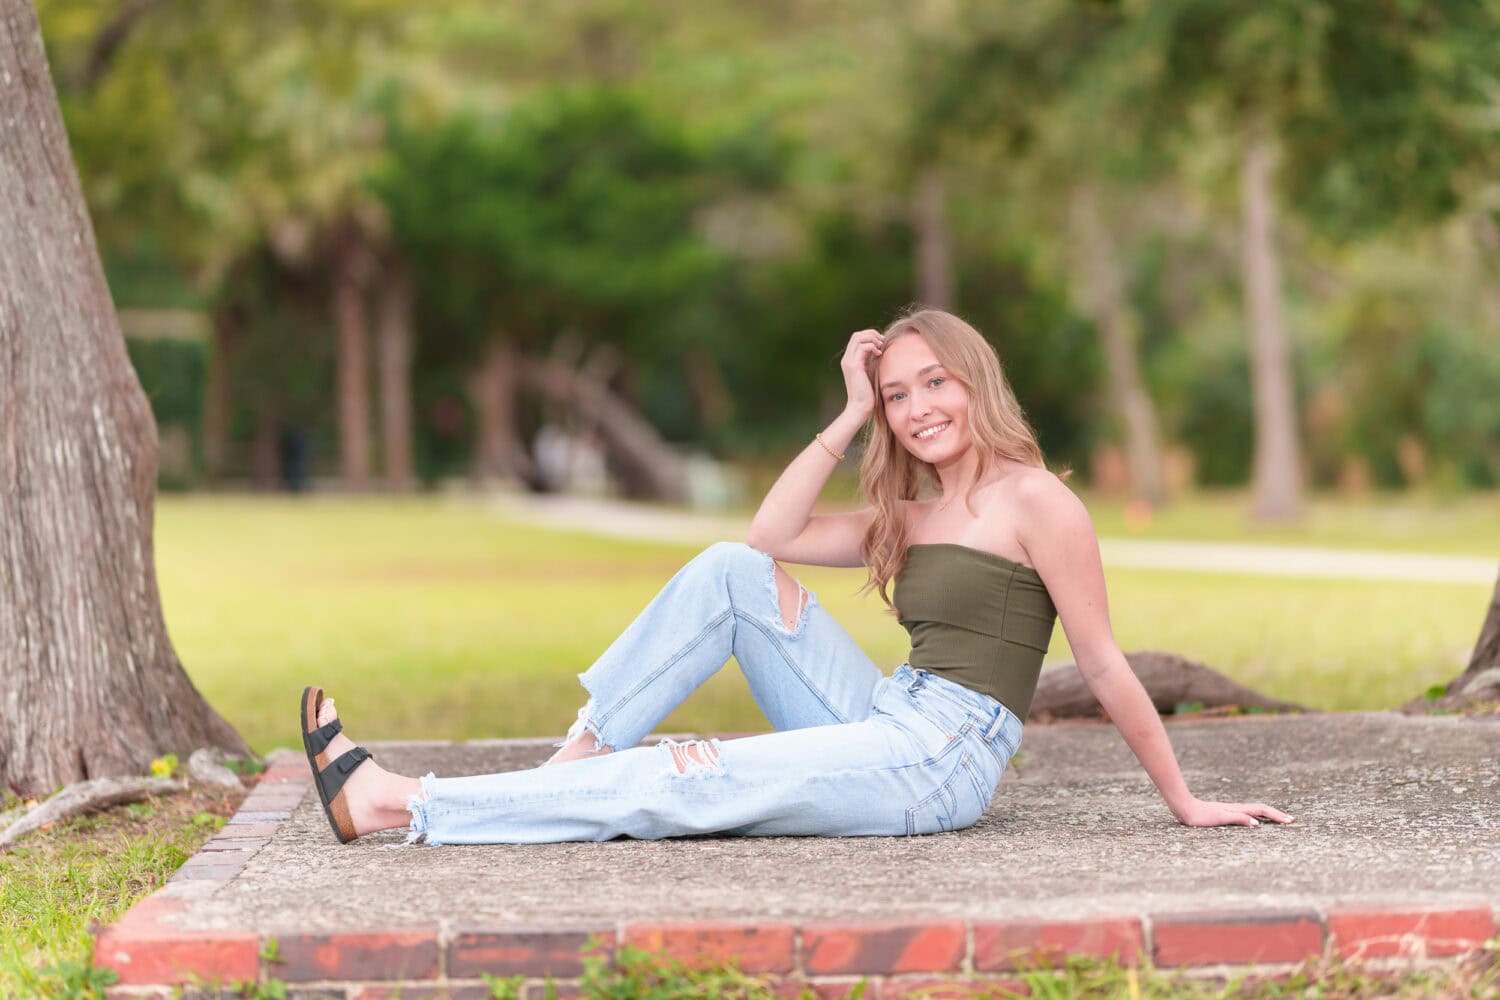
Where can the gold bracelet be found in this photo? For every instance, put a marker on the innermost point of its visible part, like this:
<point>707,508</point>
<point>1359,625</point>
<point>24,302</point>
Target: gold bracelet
<point>819,439</point>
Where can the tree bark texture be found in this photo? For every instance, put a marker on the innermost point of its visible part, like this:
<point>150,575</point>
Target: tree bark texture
<point>934,239</point>
<point>1487,649</point>
<point>498,450</point>
<point>351,276</point>
<point>265,447</point>
<point>1480,681</point>
<point>393,352</point>
<point>89,683</point>
<point>1104,291</point>
<point>1278,461</point>
<point>216,394</point>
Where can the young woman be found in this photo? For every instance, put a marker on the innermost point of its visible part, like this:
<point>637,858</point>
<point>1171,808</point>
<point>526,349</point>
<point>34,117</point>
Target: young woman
<point>982,569</point>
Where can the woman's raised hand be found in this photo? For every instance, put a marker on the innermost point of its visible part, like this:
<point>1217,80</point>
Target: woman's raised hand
<point>863,346</point>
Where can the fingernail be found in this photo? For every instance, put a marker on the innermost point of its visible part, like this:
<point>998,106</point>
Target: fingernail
<point>1254,821</point>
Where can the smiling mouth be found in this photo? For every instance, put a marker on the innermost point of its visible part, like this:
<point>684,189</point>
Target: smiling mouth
<point>931,432</point>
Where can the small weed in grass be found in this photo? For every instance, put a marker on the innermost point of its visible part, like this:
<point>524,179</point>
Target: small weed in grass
<point>209,820</point>
<point>271,952</point>
<point>76,979</point>
<point>244,766</point>
<point>510,987</point>
<point>164,766</point>
<point>636,974</point>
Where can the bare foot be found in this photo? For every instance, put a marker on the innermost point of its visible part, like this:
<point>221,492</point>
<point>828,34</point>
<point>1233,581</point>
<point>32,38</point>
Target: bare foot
<point>584,746</point>
<point>377,798</point>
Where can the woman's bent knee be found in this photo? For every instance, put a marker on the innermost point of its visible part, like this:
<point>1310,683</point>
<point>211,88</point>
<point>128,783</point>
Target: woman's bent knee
<point>729,556</point>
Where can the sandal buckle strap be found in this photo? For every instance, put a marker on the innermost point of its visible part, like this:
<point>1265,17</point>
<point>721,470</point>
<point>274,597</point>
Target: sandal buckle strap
<point>333,777</point>
<point>319,738</point>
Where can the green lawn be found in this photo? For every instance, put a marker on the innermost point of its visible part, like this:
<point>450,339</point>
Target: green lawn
<point>430,618</point>
<point>1459,524</point>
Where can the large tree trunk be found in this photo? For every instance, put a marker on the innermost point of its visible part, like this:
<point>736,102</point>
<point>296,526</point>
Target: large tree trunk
<point>394,356</point>
<point>711,397</point>
<point>1104,290</point>
<point>89,683</point>
<point>265,447</point>
<point>1278,462</point>
<point>1487,649</point>
<point>223,335</point>
<point>498,451</point>
<point>351,276</point>
<point>1480,681</point>
<point>934,239</point>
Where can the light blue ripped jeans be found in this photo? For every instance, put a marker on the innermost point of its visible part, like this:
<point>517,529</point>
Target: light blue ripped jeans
<point>856,753</point>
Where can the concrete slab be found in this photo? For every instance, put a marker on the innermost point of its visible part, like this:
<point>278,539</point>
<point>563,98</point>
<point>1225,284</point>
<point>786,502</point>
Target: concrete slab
<point>1394,815</point>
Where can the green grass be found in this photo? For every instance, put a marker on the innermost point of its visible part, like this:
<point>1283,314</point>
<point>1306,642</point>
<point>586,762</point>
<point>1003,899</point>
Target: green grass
<point>59,880</point>
<point>434,619</point>
<point>1466,524</point>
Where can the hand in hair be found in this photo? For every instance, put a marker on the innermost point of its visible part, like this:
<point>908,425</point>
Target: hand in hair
<point>863,346</point>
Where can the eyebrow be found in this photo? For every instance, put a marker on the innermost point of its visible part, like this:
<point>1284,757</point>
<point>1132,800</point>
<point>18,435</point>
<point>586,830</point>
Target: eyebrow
<point>924,371</point>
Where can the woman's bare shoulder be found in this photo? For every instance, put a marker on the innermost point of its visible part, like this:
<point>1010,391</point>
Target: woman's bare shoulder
<point>1040,498</point>
<point>1033,484</point>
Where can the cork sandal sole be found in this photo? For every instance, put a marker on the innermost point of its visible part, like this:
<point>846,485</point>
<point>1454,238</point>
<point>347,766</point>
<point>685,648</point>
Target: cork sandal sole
<point>329,775</point>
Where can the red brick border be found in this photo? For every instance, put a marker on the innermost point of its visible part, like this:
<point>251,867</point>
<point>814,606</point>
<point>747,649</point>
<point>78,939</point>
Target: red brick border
<point>884,947</point>
<point>1236,936</point>
<point>524,952</point>
<point>756,948</point>
<point>151,951</point>
<point>1373,932</point>
<point>1016,944</point>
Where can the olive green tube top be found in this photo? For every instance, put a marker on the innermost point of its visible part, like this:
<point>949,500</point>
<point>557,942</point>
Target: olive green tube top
<point>976,618</point>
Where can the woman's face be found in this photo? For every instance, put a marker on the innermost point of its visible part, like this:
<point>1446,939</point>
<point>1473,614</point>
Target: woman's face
<point>926,407</point>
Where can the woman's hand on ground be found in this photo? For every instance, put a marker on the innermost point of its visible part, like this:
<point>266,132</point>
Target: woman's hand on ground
<point>1201,813</point>
<point>862,347</point>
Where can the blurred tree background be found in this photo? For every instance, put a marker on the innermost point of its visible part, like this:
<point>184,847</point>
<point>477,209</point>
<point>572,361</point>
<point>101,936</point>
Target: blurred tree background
<point>382,244</point>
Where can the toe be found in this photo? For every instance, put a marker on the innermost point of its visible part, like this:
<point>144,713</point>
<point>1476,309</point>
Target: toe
<point>326,713</point>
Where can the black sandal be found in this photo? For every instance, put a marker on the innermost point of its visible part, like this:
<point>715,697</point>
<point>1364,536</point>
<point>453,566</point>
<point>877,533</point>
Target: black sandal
<point>329,776</point>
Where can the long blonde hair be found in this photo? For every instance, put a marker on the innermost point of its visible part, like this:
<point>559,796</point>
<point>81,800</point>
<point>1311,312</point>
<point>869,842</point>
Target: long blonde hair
<point>890,474</point>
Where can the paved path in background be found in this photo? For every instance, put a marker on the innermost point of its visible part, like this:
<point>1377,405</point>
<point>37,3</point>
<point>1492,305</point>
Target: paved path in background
<point>617,519</point>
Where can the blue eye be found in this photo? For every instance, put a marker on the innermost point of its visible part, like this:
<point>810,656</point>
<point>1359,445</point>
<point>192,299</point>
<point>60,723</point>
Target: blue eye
<point>937,380</point>
<point>894,396</point>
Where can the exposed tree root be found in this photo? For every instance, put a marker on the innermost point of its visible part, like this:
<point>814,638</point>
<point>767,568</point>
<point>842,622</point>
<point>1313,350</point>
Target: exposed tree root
<point>1170,680</point>
<point>1477,689</point>
<point>87,796</point>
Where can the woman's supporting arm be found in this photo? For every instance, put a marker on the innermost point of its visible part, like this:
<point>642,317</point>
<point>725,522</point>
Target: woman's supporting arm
<point>1059,538</point>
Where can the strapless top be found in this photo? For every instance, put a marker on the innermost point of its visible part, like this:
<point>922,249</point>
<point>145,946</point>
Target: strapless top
<point>976,618</point>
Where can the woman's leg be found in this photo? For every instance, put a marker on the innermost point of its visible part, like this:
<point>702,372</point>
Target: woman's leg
<point>921,762</point>
<point>871,778</point>
<point>802,667</point>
